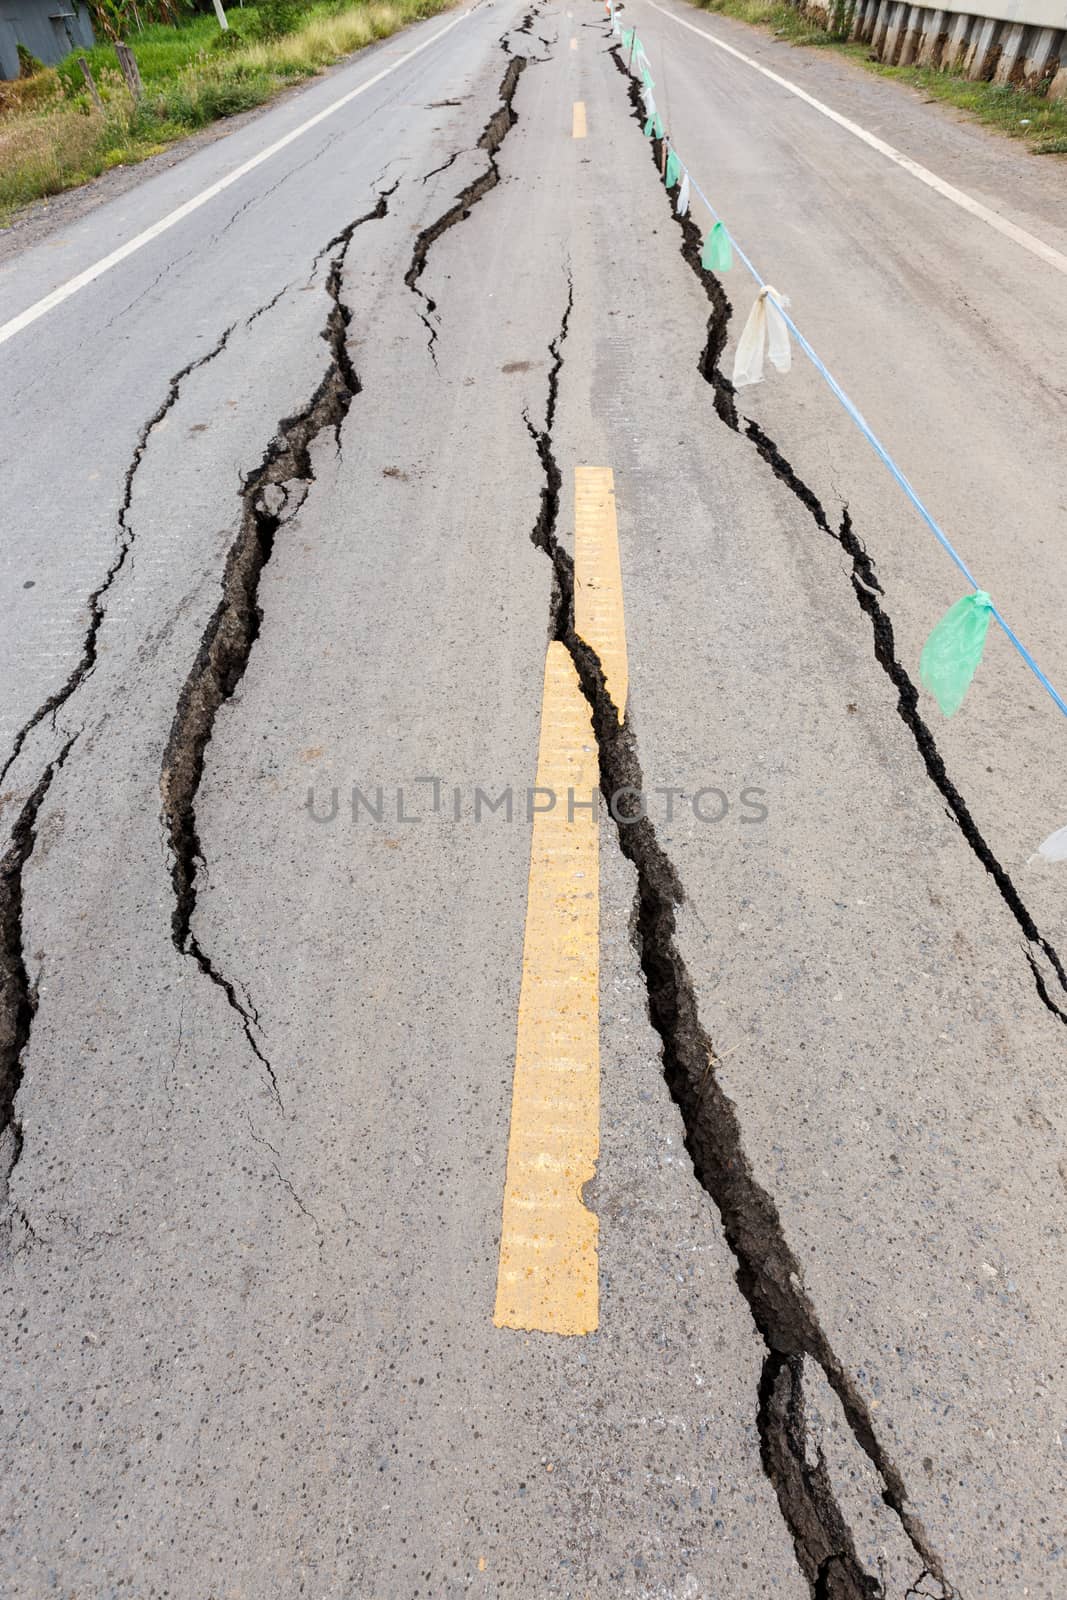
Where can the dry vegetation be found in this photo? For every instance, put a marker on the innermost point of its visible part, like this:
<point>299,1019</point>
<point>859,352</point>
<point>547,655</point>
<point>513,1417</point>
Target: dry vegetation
<point>53,137</point>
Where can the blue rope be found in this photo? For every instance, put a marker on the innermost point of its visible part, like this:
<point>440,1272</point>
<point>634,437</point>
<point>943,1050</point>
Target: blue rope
<point>879,448</point>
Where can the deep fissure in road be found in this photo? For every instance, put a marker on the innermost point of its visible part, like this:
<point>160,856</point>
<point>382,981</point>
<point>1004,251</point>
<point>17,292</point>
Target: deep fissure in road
<point>272,494</point>
<point>867,590</point>
<point>865,586</point>
<point>767,1271</point>
<point>18,997</point>
<point>491,138</point>
<point>97,601</point>
<point>18,992</point>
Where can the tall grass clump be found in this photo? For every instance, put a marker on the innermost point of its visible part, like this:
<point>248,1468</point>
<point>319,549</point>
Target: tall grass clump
<point>53,136</point>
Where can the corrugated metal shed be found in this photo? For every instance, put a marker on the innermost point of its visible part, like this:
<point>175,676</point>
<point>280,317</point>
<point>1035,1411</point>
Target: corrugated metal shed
<point>49,29</point>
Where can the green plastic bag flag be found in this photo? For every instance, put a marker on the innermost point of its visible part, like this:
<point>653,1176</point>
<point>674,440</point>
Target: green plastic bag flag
<point>654,127</point>
<point>717,254</point>
<point>647,78</point>
<point>628,39</point>
<point>674,169</point>
<point>952,652</point>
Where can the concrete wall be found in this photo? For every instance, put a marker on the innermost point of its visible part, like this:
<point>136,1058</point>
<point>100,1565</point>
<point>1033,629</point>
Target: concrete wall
<point>1031,13</point>
<point>1023,42</point>
<point>49,29</point>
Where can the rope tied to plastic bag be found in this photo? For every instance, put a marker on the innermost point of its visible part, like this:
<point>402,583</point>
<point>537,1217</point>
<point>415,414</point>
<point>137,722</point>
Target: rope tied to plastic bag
<point>953,650</point>
<point>765,332</point>
<point>681,205</point>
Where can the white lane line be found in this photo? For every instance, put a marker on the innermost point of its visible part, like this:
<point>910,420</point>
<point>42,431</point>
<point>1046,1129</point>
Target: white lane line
<point>1037,247</point>
<point>9,329</point>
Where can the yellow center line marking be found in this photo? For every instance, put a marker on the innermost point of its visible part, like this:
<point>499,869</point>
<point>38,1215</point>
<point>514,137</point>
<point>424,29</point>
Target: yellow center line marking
<point>578,123</point>
<point>547,1276</point>
<point>598,609</point>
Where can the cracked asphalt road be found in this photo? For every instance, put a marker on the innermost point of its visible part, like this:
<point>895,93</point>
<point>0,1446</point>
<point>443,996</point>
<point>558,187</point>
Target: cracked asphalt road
<point>292,513</point>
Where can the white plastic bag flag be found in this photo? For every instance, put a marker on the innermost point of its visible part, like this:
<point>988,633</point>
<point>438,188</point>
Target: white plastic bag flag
<point>648,100</point>
<point>1054,848</point>
<point>681,205</point>
<point>765,331</point>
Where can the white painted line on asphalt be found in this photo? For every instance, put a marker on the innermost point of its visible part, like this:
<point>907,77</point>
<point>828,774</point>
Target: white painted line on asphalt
<point>1010,230</point>
<point>71,287</point>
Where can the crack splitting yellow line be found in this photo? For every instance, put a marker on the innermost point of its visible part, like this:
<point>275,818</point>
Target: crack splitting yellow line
<point>547,1278</point>
<point>598,608</point>
<point>547,1275</point>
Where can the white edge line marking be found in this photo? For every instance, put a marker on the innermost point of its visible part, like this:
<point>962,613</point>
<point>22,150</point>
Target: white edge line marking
<point>1044,252</point>
<point>71,287</point>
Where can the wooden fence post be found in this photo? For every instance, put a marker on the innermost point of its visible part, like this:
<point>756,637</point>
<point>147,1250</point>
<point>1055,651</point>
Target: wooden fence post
<point>90,83</point>
<point>129,69</point>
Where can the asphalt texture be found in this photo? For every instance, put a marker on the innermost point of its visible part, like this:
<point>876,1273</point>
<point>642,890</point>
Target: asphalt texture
<point>289,503</point>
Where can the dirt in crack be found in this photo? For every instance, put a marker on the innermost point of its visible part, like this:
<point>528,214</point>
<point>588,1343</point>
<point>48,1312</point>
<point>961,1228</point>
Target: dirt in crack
<point>492,137</point>
<point>272,494</point>
<point>867,591</point>
<point>767,1271</point>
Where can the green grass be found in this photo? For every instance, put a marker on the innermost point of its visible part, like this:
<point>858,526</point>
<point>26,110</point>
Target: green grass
<point>1041,122</point>
<point>161,52</point>
<point>53,137</point>
<point>1033,117</point>
<point>775,14</point>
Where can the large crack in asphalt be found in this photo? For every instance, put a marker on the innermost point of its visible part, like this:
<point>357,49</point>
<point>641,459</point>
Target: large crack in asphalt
<point>767,1271</point>
<point>491,138</point>
<point>97,601</point>
<point>271,495</point>
<point>18,991</point>
<point>867,590</point>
